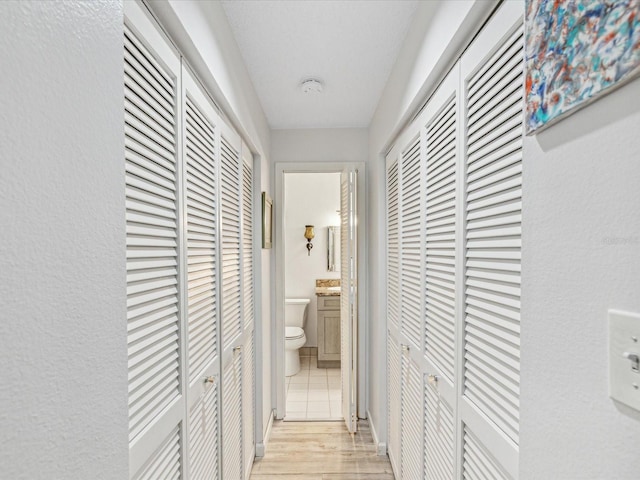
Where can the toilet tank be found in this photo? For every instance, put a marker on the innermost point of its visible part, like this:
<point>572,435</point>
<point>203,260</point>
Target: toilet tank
<point>295,314</point>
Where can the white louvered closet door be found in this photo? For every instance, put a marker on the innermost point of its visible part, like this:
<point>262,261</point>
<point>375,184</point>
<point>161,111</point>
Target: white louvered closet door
<point>349,295</point>
<point>411,416</point>
<point>492,71</point>
<point>152,158</point>
<point>232,416</point>
<point>248,312</point>
<point>441,134</point>
<point>411,242</point>
<point>412,300</point>
<point>231,303</point>
<point>393,246</point>
<point>200,162</point>
<point>393,308</point>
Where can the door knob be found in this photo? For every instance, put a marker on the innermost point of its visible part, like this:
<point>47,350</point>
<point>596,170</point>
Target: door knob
<point>210,379</point>
<point>432,379</point>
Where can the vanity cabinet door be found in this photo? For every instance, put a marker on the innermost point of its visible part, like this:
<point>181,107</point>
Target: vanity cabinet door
<point>328,333</point>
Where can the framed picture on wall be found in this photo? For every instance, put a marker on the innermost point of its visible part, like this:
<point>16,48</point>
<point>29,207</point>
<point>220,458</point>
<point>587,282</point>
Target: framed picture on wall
<point>267,220</point>
<point>576,51</point>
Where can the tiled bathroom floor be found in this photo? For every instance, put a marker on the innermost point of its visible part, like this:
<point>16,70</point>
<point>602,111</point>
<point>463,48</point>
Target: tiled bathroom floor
<point>313,393</point>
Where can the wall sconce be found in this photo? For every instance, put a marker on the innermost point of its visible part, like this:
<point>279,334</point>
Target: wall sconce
<point>309,234</point>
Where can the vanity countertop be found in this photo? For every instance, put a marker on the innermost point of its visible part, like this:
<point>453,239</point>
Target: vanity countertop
<point>328,287</point>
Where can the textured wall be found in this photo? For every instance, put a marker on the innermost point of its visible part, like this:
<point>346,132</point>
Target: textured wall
<point>319,145</point>
<point>581,256</point>
<point>63,394</point>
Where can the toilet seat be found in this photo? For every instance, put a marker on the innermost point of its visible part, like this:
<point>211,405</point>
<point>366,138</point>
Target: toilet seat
<point>293,333</point>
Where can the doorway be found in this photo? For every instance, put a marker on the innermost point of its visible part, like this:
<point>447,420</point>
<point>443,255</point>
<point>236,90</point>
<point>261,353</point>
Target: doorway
<point>312,208</point>
<point>343,387</point>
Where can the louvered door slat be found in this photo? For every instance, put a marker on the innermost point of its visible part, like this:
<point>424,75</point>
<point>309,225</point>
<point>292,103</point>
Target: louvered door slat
<point>141,166</point>
<point>393,259</point>
<point>412,453</point>
<point>230,203</point>
<point>152,143</point>
<point>485,125</point>
<point>202,238</point>
<point>248,402</point>
<point>157,137</point>
<point>440,218</point>
<point>149,63</point>
<point>135,111</point>
<point>500,97</point>
<point>477,462</point>
<point>152,255</point>
<point>439,444</point>
<point>411,244</point>
<point>165,462</point>
<point>393,389</point>
<point>503,54</point>
<point>247,244</point>
<point>203,436</point>
<point>493,241</point>
<point>140,97</point>
<point>232,418</point>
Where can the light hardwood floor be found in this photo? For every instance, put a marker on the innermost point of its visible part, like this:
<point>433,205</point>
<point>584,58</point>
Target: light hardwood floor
<point>321,451</point>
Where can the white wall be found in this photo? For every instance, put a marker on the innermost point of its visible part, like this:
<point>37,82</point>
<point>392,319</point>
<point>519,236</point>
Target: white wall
<point>320,145</point>
<point>310,199</point>
<point>435,39</point>
<point>581,257</point>
<point>63,338</point>
<point>266,298</point>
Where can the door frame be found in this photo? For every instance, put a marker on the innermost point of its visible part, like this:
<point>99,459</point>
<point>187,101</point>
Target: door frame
<point>277,341</point>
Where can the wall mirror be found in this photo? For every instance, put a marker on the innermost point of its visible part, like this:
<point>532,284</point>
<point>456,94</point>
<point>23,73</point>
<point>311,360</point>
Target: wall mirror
<point>333,250</point>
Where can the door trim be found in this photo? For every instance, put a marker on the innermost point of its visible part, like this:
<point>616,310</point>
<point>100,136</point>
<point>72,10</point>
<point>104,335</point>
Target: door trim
<point>277,341</point>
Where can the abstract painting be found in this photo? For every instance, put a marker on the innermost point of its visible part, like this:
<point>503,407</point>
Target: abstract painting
<point>575,51</point>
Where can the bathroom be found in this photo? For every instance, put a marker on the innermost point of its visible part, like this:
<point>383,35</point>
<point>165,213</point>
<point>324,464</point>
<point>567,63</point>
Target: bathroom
<point>311,286</point>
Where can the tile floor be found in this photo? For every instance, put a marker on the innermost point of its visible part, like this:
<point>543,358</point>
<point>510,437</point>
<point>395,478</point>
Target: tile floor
<point>313,393</point>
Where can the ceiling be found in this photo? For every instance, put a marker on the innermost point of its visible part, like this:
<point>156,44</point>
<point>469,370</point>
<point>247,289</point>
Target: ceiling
<point>350,45</point>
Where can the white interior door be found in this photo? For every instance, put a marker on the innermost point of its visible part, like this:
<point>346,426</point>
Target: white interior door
<point>492,87</point>
<point>231,303</point>
<point>393,309</point>
<point>154,305</point>
<point>349,296</point>
<point>412,302</point>
<point>441,132</point>
<point>200,179</point>
<point>248,313</point>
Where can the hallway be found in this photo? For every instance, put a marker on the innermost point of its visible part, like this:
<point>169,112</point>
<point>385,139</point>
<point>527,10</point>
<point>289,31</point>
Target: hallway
<point>491,148</point>
<point>321,451</point>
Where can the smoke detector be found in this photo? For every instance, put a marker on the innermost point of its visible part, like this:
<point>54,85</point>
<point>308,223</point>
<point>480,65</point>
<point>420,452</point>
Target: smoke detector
<point>311,85</point>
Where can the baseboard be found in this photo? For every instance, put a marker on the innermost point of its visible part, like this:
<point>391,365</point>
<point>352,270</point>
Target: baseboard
<point>381,447</point>
<point>261,447</point>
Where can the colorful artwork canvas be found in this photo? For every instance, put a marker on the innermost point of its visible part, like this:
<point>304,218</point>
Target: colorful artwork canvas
<point>575,51</point>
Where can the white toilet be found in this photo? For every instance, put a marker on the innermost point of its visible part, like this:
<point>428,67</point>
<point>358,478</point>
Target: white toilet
<point>295,317</point>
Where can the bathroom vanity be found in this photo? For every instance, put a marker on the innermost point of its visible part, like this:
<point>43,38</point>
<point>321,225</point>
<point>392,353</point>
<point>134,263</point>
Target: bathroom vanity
<point>328,312</point>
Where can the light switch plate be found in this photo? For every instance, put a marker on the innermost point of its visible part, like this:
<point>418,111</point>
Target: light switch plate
<point>624,338</point>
